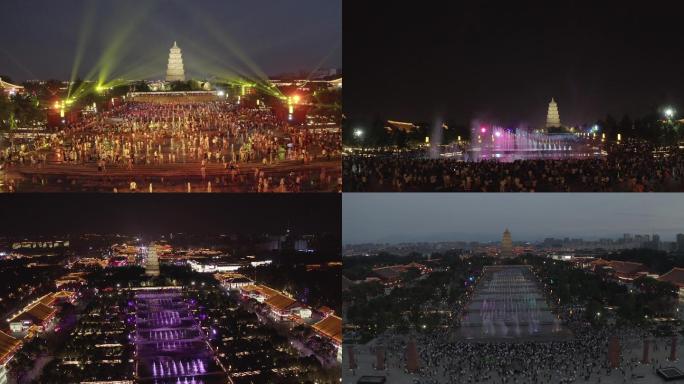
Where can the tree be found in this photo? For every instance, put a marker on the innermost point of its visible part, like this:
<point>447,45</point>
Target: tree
<point>181,86</point>
<point>141,86</point>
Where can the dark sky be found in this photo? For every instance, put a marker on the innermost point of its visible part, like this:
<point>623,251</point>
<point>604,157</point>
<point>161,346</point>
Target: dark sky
<point>163,213</point>
<point>411,217</point>
<point>504,60</point>
<point>41,38</point>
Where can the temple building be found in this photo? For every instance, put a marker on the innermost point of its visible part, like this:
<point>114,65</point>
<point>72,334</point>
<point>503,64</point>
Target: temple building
<point>506,245</point>
<point>152,262</point>
<point>175,71</point>
<point>330,328</point>
<point>8,348</point>
<point>8,89</point>
<point>552,116</point>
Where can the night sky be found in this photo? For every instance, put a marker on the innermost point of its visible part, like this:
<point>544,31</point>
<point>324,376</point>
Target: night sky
<point>164,213</point>
<point>40,39</point>
<point>504,60</point>
<point>412,217</point>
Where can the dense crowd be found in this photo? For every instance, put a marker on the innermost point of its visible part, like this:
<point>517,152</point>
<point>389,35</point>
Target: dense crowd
<point>581,358</point>
<point>628,167</point>
<point>188,136</point>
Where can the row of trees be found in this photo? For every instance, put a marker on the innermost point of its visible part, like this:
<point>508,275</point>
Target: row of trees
<point>421,303</point>
<point>20,111</point>
<point>375,133</point>
<point>652,127</point>
<point>657,261</point>
<point>647,298</point>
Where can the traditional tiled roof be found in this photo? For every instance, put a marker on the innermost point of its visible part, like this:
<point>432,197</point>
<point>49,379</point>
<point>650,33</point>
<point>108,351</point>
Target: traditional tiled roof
<point>249,288</point>
<point>8,346</point>
<point>6,85</point>
<point>266,291</point>
<point>330,327</point>
<point>37,313</point>
<point>389,273</point>
<point>400,125</point>
<point>627,267</point>
<point>675,276</point>
<point>280,302</point>
<point>48,299</point>
<point>326,310</point>
<point>599,262</point>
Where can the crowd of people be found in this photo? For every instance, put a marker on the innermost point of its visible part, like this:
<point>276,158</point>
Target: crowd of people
<point>191,139</point>
<point>580,358</point>
<point>577,353</point>
<point>628,167</point>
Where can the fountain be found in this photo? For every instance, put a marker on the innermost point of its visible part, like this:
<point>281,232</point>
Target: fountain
<point>493,142</point>
<point>170,347</point>
<point>507,304</point>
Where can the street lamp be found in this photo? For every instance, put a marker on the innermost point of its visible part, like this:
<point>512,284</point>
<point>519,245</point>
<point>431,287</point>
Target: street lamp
<point>669,112</point>
<point>358,133</point>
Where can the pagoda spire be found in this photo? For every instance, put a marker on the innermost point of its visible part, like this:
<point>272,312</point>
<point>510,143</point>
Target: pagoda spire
<point>552,116</point>
<point>175,70</point>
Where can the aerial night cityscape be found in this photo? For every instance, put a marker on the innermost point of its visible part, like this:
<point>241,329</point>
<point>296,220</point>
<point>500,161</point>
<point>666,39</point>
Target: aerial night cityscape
<point>563,96</point>
<point>189,196</point>
<point>170,96</point>
<point>171,290</point>
<point>452,288</point>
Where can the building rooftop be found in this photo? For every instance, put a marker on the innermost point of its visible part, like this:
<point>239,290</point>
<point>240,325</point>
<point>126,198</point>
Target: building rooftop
<point>38,313</point>
<point>8,346</point>
<point>331,327</point>
<point>627,267</point>
<point>675,276</point>
<point>280,302</point>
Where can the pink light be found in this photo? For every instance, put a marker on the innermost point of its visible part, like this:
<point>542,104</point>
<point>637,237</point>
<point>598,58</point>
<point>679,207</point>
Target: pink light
<point>497,133</point>
<point>483,129</point>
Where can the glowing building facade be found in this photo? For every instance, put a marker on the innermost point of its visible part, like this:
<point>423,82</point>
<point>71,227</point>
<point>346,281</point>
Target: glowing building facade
<point>175,70</point>
<point>152,262</point>
<point>552,116</point>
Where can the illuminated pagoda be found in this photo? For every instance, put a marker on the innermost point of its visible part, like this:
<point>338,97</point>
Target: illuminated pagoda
<point>552,116</point>
<point>152,262</point>
<point>506,244</point>
<point>175,71</point>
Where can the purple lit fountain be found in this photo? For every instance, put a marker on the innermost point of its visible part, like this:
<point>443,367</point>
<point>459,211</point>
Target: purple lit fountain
<point>170,347</point>
<point>491,142</point>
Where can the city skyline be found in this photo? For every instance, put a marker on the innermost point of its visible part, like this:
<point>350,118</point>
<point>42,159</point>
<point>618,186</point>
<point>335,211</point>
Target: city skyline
<point>503,62</point>
<point>131,39</point>
<point>385,218</point>
<point>55,214</point>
